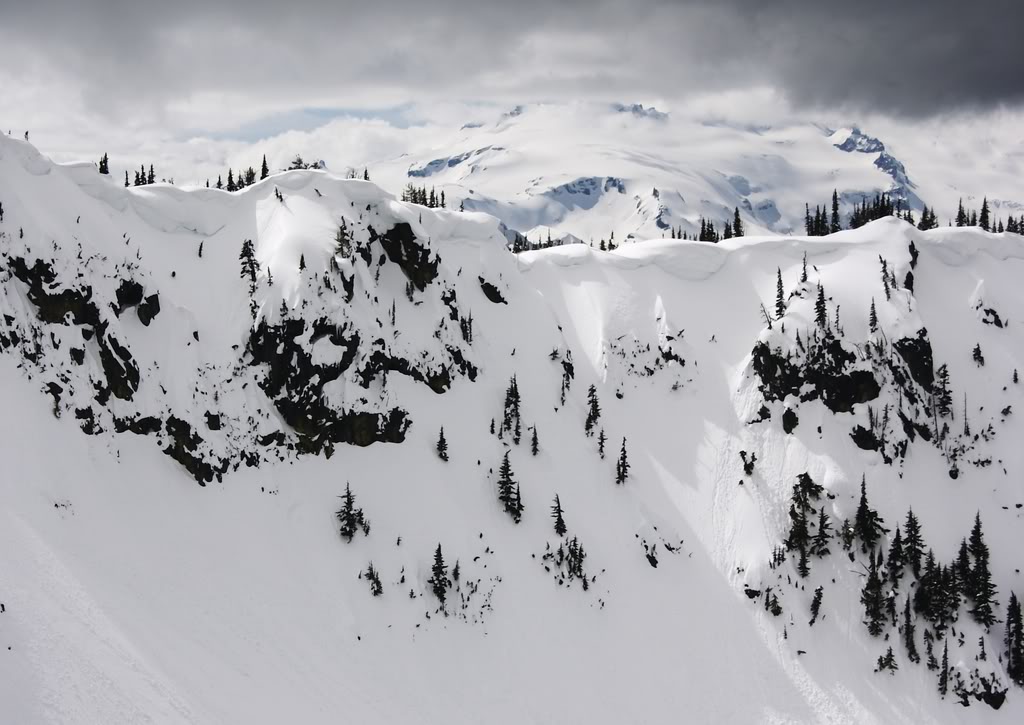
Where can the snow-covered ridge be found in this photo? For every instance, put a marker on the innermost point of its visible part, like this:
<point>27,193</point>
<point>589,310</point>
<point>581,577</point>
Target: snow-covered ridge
<point>144,351</point>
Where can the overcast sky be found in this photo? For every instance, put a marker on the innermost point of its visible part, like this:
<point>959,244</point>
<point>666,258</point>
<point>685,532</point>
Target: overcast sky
<point>155,76</point>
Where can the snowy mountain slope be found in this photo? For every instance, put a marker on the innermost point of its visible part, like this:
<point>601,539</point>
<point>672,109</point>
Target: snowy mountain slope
<point>131,593</point>
<point>588,170</point>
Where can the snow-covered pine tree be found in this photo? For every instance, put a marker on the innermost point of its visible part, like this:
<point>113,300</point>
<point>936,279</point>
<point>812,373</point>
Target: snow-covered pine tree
<point>979,587</point>
<point>508,490</point>
<point>873,599</point>
<point>780,295</point>
<point>556,514</point>
<point>913,544</point>
<point>350,517</point>
<point>867,524</point>
<point>593,411</point>
<point>820,311</point>
<point>442,446</point>
<point>1014,641</point>
<point>887,662</point>
<point>816,605</point>
<point>909,630</point>
<point>622,465</point>
<point>439,576</point>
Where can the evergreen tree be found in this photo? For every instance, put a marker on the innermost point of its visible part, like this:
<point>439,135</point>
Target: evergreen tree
<point>867,524</point>
<point>819,546</point>
<point>442,446</point>
<point>961,215</point>
<point>126,180</point>
<point>944,669</point>
<point>984,220</point>
<point>888,662</point>
<point>372,576</point>
<point>873,600</point>
<point>976,355</point>
<point>151,179</point>
<point>534,443</point>
<point>511,421</point>
<point>820,311</point>
<point>439,576</point>
<point>508,491</point>
<point>803,270</point>
<point>622,465</point>
<point>594,412</point>
<point>105,165</point>
<point>780,295</point>
<point>913,544</point>
<point>556,514</point>
<point>834,225</point>
<point>737,223</point>
<point>979,585</point>
<point>943,397</point>
<point>302,262</point>
<point>909,633</point>
<point>264,169</point>
<point>895,560</point>
<point>873,318</point>
<point>600,442</point>
<point>231,180</point>
<point>1014,641</point>
<point>803,564</point>
<point>249,265</point>
<point>816,605</point>
<point>350,518</point>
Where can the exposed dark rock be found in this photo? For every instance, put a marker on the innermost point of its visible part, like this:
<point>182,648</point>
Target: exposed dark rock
<point>991,317</point>
<point>129,294</point>
<point>213,421</point>
<point>53,308</point>
<point>789,420</point>
<point>402,248</point>
<point>148,309</point>
<point>825,371</point>
<point>295,385</point>
<point>491,292</point>
<point>439,381</point>
<point>118,366</point>
<point>144,425</point>
<point>917,353</point>
<point>88,418</point>
<point>183,447</point>
<point>865,439</point>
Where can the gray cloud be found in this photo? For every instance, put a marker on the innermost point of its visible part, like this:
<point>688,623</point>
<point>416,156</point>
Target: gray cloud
<point>229,58</point>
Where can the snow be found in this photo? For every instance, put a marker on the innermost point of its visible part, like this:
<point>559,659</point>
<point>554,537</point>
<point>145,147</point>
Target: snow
<point>132,594</point>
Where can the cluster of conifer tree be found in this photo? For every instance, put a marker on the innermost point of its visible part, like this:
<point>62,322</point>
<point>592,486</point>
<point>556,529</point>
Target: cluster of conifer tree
<point>142,177</point>
<point>419,195</point>
<point>245,178</point>
<point>907,570</point>
<point>708,232</point>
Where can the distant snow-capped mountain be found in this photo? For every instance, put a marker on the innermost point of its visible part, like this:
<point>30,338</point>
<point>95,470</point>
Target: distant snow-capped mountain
<point>591,170</point>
